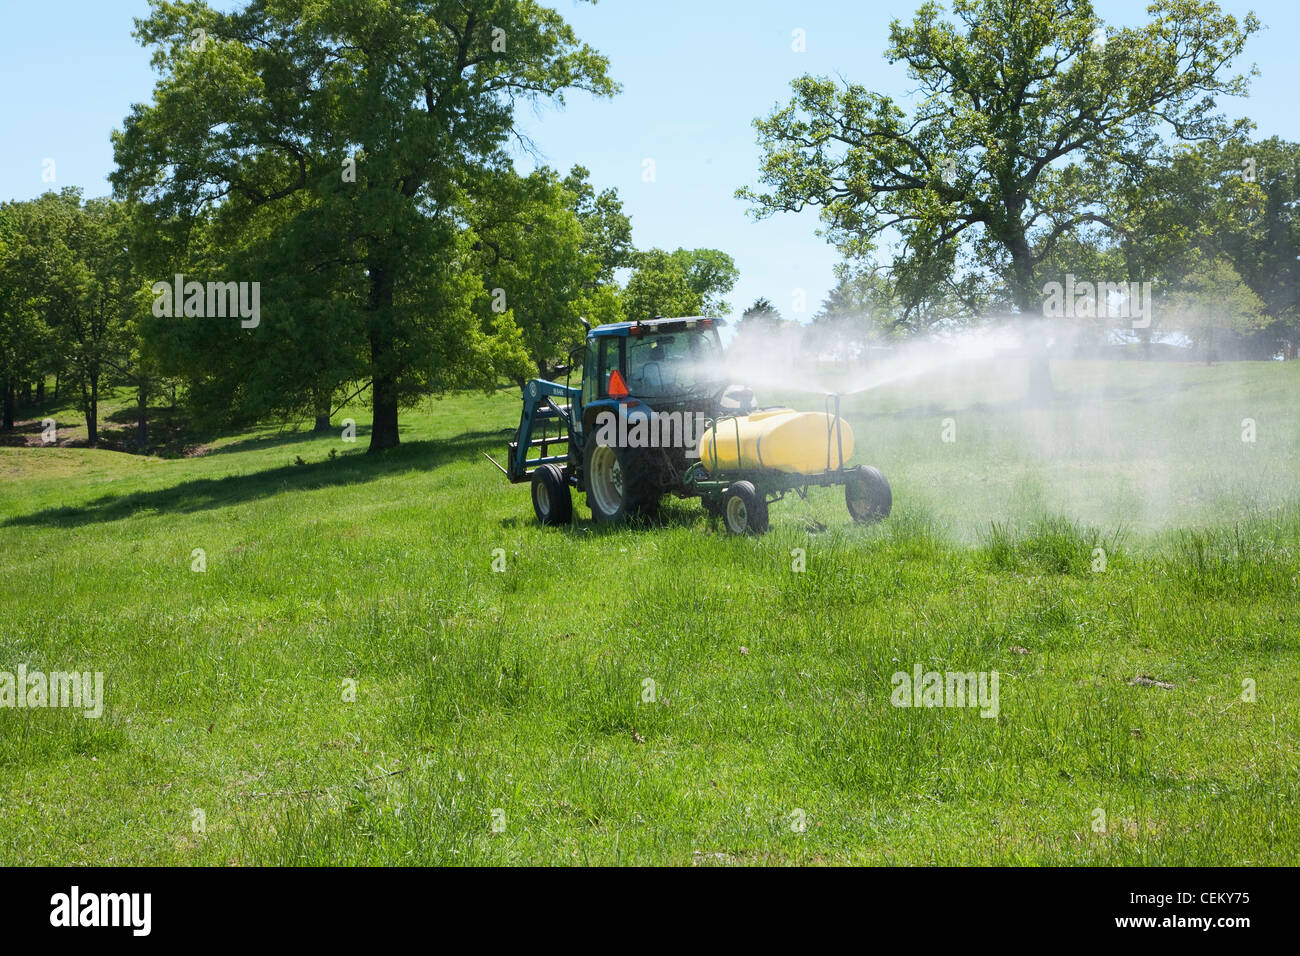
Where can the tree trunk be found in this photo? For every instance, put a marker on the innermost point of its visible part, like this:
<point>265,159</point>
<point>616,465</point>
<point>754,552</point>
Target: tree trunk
<point>1029,303</point>
<point>40,390</point>
<point>322,414</point>
<point>142,419</point>
<point>383,382</point>
<point>91,399</point>
<point>8,405</point>
<point>1038,386</point>
<point>383,427</point>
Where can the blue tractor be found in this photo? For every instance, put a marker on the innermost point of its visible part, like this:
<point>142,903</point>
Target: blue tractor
<point>629,433</point>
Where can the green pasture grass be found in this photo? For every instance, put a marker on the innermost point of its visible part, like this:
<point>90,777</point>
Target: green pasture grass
<point>664,692</point>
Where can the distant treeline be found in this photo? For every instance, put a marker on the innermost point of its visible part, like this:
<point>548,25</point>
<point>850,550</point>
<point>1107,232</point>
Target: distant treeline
<point>319,205</point>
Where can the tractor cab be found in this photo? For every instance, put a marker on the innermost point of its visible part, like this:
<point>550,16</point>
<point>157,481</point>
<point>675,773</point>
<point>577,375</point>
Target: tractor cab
<point>631,369</point>
<point>670,364</point>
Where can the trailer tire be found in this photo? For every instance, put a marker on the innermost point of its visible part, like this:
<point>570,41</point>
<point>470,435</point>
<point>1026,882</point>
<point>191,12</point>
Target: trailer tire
<point>744,509</point>
<point>619,482</point>
<point>867,495</point>
<point>552,502</point>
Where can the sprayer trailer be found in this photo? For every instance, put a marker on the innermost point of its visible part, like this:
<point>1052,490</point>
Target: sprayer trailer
<point>654,415</point>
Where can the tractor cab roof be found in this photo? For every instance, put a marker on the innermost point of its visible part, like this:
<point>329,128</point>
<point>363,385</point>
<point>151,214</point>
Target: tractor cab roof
<point>657,324</point>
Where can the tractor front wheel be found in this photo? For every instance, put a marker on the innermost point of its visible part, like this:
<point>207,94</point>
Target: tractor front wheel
<point>552,502</point>
<point>744,508</point>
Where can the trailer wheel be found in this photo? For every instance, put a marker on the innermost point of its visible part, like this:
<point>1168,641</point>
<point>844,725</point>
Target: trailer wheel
<point>744,509</point>
<point>619,482</point>
<point>867,495</point>
<point>552,502</point>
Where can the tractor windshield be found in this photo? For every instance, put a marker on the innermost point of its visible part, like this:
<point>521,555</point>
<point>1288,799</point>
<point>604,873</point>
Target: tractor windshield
<point>676,365</point>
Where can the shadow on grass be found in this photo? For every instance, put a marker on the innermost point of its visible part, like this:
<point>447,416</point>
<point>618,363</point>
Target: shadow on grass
<point>670,514</point>
<point>203,493</point>
<point>288,436</point>
<point>23,433</point>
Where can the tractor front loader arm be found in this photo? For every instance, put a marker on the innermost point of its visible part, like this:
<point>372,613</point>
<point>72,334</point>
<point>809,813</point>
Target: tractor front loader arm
<point>548,407</point>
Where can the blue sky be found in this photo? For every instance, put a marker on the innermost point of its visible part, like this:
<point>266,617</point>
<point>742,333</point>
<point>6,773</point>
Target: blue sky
<point>694,76</point>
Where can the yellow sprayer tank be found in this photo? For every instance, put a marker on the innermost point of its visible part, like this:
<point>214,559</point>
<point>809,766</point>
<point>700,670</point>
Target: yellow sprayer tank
<point>779,439</point>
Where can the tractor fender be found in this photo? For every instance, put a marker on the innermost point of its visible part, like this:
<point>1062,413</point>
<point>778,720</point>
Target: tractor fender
<point>592,414</point>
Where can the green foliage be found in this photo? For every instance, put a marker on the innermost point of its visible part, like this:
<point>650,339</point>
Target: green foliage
<point>1213,306</point>
<point>681,282</point>
<point>861,310</point>
<point>1265,250</point>
<point>606,229</point>
<point>710,274</point>
<point>658,286</point>
<point>547,250</point>
<point>68,294</point>
<point>26,341</point>
<point>1024,129</point>
<point>762,332</point>
<point>338,147</point>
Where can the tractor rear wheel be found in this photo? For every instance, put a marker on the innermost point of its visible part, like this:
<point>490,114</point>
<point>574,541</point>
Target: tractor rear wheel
<point>619,482</point>
<point>867,495</point>
<point>744,509</point>
<point>552,502</point>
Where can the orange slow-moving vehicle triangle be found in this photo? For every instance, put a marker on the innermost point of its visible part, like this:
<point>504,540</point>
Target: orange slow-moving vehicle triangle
<point>617,387</point>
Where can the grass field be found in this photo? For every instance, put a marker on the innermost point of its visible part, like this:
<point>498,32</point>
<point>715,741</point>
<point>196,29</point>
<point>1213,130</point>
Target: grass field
<point>502,717</point>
